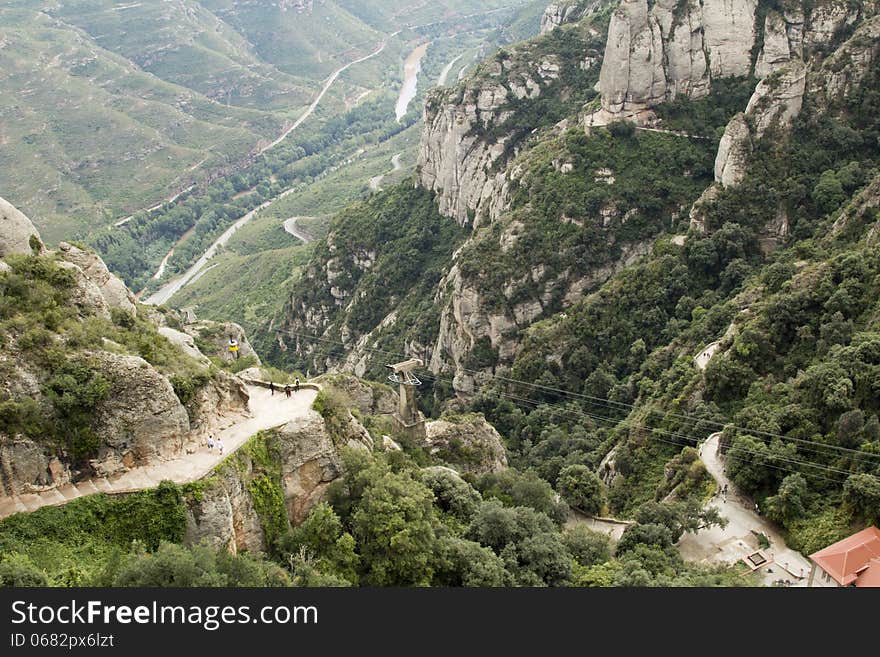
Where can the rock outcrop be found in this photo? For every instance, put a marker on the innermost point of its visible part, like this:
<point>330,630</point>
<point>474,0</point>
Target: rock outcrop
<point>367,397</point>
<point>304,461</point>
<point>213,339</point>
<point>470,317</point>
<point>116,295</point>
<point>777,101</point>
<point>463,142</point>
<point>469,444</point>
<point>562,13</point>
<point>658,50</point>
<point>843,72</point>
<point>141,421</point>
<point>674,47</point>
<point>15,230</point>
<point>143,417</point>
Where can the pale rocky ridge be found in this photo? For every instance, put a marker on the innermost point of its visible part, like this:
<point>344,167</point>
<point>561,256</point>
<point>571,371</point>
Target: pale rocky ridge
<point>15,230</point>
<point>469,444</point>
<point>654,53</point>
<point>777,101</point>
<point>568,11</point>
<point>142,420</point>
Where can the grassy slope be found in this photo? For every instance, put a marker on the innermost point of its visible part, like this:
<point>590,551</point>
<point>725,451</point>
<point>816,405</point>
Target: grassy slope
<point>89,133</point>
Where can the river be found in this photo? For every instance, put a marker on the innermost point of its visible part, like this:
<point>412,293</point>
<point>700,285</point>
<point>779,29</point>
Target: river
<point>411,68</point>
<point>164,293</point>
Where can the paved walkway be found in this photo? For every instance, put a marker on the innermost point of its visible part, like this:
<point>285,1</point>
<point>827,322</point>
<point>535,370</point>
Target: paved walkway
<point>702,359</point>
<point>737,540</point>
<point>267,411</point>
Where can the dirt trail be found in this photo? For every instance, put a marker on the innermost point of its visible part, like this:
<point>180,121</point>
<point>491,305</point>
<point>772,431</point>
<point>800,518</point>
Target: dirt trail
<point>267,411</point>
<point>738,539</point>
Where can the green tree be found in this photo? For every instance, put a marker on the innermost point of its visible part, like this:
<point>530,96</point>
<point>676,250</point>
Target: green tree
<point>828,193</point>
<point>788,504</point>
<point>19,570</point>
<point>862,493</point>
<point>582,489</point>
<point>321,538</point>
<point>394,527</point>
<point>587,546</point>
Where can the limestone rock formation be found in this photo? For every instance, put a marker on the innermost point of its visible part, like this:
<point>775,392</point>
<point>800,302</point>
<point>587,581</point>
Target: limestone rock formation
<point>116,295</point>
<point>658,50</point>
<point>214,338</point>
<point>367,397</point>
<point>674,47</point>
<point>567,11</point>
<point>842,73</point>
<point>468,443</point>
<point>305,460</point>
<point>142,420</point>
<point>456,159</point>
<point>777,101</point>
<point>15,230</point>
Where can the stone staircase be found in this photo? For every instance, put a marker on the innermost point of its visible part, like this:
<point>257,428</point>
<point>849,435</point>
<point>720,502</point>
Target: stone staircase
<point>10,504</point>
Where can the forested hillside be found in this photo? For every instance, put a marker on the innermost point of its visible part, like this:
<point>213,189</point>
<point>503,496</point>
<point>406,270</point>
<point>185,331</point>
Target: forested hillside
<point>607,243</point>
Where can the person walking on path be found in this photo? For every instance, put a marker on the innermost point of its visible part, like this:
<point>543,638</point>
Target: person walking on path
<point>211,442</point>
<point>296,385</point>
<point>287,391</point>
<point>272,388</point>
<point>220,446</point>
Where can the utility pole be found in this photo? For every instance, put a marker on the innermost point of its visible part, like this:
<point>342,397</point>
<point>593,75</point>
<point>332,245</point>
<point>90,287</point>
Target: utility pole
<point>408,419</point>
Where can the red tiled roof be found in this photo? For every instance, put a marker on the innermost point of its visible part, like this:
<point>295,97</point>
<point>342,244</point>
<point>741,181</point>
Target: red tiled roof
<point>870,577</point>
<point>853,560</point>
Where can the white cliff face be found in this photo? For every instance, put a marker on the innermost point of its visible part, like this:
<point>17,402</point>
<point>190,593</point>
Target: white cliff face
<point>470,316</point>
<point>561,13</point>
<point>829,17</point>
<point>675,47</point>
<point>15,230</point>
<point>843,71</point>
<point>456,159</point>
<point>679,46</point>
<point>114,292</point>
<point>777,100</point>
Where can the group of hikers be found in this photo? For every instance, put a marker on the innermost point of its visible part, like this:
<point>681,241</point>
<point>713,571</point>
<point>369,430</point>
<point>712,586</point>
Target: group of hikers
<point>212,443</point>
<point>218,443</point>
<point>287,390</point>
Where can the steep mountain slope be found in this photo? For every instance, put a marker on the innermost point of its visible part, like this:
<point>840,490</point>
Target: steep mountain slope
<point>85,131</point>
<point>774,128</point>
<point>92,383</point>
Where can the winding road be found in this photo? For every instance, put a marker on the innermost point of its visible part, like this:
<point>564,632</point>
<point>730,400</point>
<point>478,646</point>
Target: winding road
<point>291,228</point>
<point>376,181</point>
<point>266,412</point>
<point>172,287</point>
<point>738,539</point>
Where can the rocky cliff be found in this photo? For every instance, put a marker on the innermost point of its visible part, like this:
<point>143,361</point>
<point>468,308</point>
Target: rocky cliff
<point>471,131</point>
<point>91,385</point>
<point>568,11</point>
<point>269,484</point>
<point>823,85</point>
<point>657,51</point>
<point>552,207</point>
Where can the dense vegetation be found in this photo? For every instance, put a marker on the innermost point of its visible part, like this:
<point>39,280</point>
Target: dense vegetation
<point>52,338</point>
<point>797,370</point>
<point>130,540</point>
<point>395,241</point>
